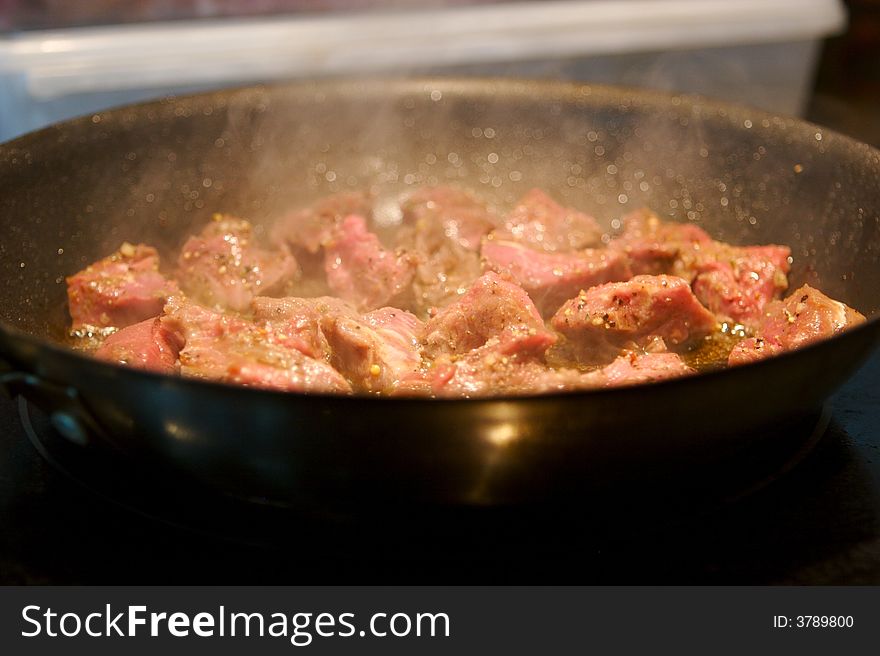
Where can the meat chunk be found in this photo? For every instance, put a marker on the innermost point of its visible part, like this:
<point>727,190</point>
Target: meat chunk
<point>224,267</point>
<point>487,371</point>
<point>636,368</point>
<point>442,228</point>
<point>550,279</point>
<point>541,223</point>
<point>377,351</point>
<point>296,322</point>
<point>737,282</point>
<point>492,307</point>
<point>734,282</point>
<point>361,271</point>
<point>600,321</point>
<point>654,246</point>
<point>453,213</point>
<point>229,348</point>
<point>311,227</point>
<point>149,345</point>
<point>120,290</point>
<point>806,316</point>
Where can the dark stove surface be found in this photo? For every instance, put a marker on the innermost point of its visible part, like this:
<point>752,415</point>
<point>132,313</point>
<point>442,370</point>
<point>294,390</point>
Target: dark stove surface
<point>807,511</point>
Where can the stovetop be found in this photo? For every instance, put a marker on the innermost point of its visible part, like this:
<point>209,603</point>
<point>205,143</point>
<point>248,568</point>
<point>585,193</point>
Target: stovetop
<point>807,513</point>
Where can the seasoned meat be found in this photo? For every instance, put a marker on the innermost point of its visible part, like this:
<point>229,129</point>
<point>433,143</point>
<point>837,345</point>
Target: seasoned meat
<point>541,223</point>
<point>120,290</point>
<point>296,322</point>
<point>550,279</point>
<point>492,307</point>
<point>635,368</point>
<point>733,282</point>
<point>230,348</point>
<point>520,304</point>
<point>488,371</point>
<point>377,351</point>
<point>224,267</point>
<point>654,246</point>
<point>451,213</point>
<point>737,282</point>
<point>361,271</point>
<point>807,315</point>
<point>311,227</point>
<point>150,345</point>
<point>442,228</point>
<point>600,321</point>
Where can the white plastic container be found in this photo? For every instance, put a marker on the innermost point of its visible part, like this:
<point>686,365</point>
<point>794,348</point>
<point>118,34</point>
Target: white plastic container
<point>756,52</point>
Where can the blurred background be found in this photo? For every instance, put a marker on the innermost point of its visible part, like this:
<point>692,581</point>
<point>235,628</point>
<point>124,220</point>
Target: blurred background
<point>814,58</point>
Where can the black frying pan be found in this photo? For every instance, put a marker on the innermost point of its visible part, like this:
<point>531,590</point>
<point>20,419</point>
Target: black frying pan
<point>71,193</point>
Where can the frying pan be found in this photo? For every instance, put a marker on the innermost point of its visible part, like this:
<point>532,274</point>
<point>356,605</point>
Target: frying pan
<point>155,172</point>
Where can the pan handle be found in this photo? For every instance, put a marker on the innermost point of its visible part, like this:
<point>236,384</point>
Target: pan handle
<point>68,414</point>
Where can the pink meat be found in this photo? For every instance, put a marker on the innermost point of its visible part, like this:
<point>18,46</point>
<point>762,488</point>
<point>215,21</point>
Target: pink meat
<point>737,282</point>
<point>654,246</point>
<point>492,307</point>
<point>149,345</point>
<point>442,228</point>
<point>229,348</point>
<point>806,316</point>
<point>550,279</point>
<point>296,322</point>
<point>311,227</point>
<point>541,223</point>
<point>361,271</point>
<point>225,267</point>
<point>450,212</point>
<point>488,371</point>
<point>120,290</point>
<point>600,321</point>
<point>634,369</point>
<point>377,351</point>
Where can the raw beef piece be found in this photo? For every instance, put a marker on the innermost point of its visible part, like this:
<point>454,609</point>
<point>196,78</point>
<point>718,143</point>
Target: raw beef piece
<point>492,307</point>
<point>120,290</point>
<point>541,223</point>
<point>600,321</point>
<point>149,345</point>
<point>737,282</point>
<point>550,279</point>
<point>488,371</point>
<point>377,351</point>
<point>311,227</point>
<point>806,316</point>
<point>442,228</point>
<point>636,368</point>
<point>295,322</point>
<point>451,213</point>
<point>229,348</point>
<point>361,271</point>
<point>224,267</point>
<point>654,246</point>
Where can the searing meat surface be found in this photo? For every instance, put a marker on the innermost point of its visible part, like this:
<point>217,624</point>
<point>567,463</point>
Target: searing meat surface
<point>225,267</point>
<point>443,227</point>
<point>492,308</point>
<point>600,321</point>
<point>541,223</point>
<point>806,316</point>
<point>150,344</point>
<point>361,271</point>
<point>550,279</point>
<point>459,300</point>
<point>122,289</point>
<point>230,348</point>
